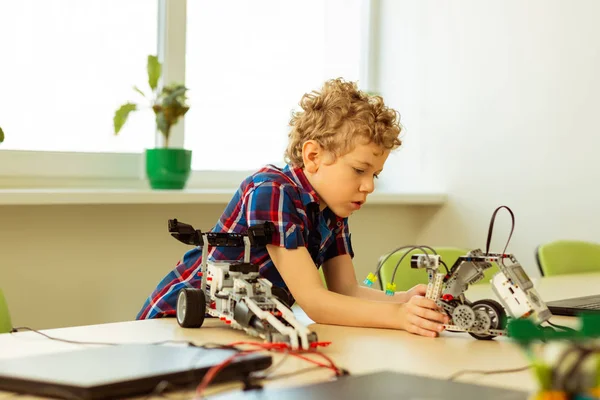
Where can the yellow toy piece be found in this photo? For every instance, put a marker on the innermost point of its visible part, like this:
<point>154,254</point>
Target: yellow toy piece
<point>390,289</point>
<point>370,279</point>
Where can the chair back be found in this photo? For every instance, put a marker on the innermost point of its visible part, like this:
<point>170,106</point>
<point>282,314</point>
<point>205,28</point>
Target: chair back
<point>563,257</point>
<point>5,322</point>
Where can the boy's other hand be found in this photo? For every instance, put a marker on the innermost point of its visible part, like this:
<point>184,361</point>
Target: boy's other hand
<point>422,316</point>
<point>418,290</point>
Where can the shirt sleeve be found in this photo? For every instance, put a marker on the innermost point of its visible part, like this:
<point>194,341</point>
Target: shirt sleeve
<point>162,302</point>
<point>280,204</point>
<point>341,244</point>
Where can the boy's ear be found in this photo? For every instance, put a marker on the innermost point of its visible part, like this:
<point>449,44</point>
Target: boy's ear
<point>312,155</point>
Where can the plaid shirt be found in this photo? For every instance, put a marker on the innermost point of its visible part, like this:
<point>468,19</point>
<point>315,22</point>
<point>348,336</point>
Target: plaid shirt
<point>282,196</point>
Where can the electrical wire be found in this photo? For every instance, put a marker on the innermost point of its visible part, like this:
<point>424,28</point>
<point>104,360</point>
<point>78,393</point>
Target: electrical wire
<point>445,266</point>
<point>264,374</point>
<point>275,347</point>
<point>491,230</point>
<point>411,247</point>
<point>564,328</point>
<point>24,328</point>
<point>207,346</point>
<point>407,252</point>
<point>490,372</point>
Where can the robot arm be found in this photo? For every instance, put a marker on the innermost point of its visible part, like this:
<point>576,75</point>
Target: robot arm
<point>185,233</point>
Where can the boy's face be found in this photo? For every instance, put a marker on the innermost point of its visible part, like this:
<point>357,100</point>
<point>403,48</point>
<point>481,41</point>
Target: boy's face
<point>343,183</point>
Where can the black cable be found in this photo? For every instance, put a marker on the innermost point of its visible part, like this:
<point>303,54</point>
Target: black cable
<point>24,328</point>
<point>207,346</point>
<point>491,372</point>
<point>564,328</point>
<point>491,229</point>
<point>445,266</point>
<point>410,249</point>
<point>264,374</point>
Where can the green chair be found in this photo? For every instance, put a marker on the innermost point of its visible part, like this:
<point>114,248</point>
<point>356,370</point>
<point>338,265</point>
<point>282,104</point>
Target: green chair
<point>562,257</point>
<point>5,323</point>
<point>407,277</point>
<point>323,277</point>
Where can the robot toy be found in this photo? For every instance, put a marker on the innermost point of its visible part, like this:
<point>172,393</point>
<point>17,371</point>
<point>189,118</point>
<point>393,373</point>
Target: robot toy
<point>482,319</point>
<point>235,293</point>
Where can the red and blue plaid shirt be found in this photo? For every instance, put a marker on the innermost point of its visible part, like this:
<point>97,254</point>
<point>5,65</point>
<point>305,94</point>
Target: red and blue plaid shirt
<point>282,196</point>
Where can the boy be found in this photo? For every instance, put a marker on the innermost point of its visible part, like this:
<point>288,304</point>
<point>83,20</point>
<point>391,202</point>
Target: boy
<point>338,145</point>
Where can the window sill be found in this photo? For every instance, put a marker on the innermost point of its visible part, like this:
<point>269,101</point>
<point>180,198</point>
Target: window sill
<point>48,196</point>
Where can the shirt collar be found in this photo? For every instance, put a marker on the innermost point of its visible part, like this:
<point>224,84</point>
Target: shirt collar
<point>309,195</point>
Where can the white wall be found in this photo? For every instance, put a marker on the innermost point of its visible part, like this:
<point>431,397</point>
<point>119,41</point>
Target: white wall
<point>503,97</point>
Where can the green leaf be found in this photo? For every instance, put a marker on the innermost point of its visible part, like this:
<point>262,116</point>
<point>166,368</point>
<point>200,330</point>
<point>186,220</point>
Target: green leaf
<point>177,91</point>
<point>139,91</point>
<point>121,115</point>
<point>162,124</point>
<point>1,135</point>
<point>154,71</point>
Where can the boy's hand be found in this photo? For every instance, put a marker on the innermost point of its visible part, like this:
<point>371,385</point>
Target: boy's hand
<point>418,290</point>
<point>422,316</point>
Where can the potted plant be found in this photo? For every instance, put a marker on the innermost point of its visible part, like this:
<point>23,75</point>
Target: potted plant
<point>166,168</point>
<point>1,135</point>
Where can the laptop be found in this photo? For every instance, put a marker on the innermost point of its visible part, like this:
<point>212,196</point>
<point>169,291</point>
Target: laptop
<point>381,385</point>
<point>121,371</point>
<point>575,306</point>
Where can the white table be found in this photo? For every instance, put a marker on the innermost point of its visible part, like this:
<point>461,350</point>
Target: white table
<point>360,350</point>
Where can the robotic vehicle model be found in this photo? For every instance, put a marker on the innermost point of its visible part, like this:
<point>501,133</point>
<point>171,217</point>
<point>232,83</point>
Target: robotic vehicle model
<point>234,292</point>
<point>482,319</point>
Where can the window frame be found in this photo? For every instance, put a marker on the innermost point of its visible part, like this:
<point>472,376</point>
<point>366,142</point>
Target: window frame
<point>46,169</point>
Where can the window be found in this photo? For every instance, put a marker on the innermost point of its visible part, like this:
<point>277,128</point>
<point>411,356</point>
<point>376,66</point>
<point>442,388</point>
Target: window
<point>67,65</point>
<point>70,64</point>
<point>249,63</point>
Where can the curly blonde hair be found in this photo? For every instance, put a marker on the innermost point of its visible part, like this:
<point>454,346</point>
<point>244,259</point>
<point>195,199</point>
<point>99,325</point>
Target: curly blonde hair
<point>337,116</point>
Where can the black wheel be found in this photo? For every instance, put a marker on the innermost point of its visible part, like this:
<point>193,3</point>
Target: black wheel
<point>495,312</point>
<point>191,308</point>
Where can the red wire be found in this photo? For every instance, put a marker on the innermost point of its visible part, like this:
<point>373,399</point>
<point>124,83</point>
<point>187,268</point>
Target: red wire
<point>276,347</point>
<point>296,353</point>
<point>212,372</point>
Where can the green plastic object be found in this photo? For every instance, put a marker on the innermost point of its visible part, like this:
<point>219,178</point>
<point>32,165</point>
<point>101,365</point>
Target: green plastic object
<point>5,322</point>
<point>524,331</point>
<point>568,257</point>
<point>322,275</point>
<point>534,340</point>
<point>407,277</point>
<point>168,168</point>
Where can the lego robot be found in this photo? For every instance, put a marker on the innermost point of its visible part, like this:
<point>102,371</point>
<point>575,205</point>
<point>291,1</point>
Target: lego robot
<point>482,319</point>
<point>234,292</point>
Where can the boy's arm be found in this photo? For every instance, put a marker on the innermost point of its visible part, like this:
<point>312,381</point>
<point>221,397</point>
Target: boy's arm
<point>341,278</point>
<point>297,269</point>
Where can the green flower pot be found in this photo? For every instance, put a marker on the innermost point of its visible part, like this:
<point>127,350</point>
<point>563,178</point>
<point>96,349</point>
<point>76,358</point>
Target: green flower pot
<point>168,168</point>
